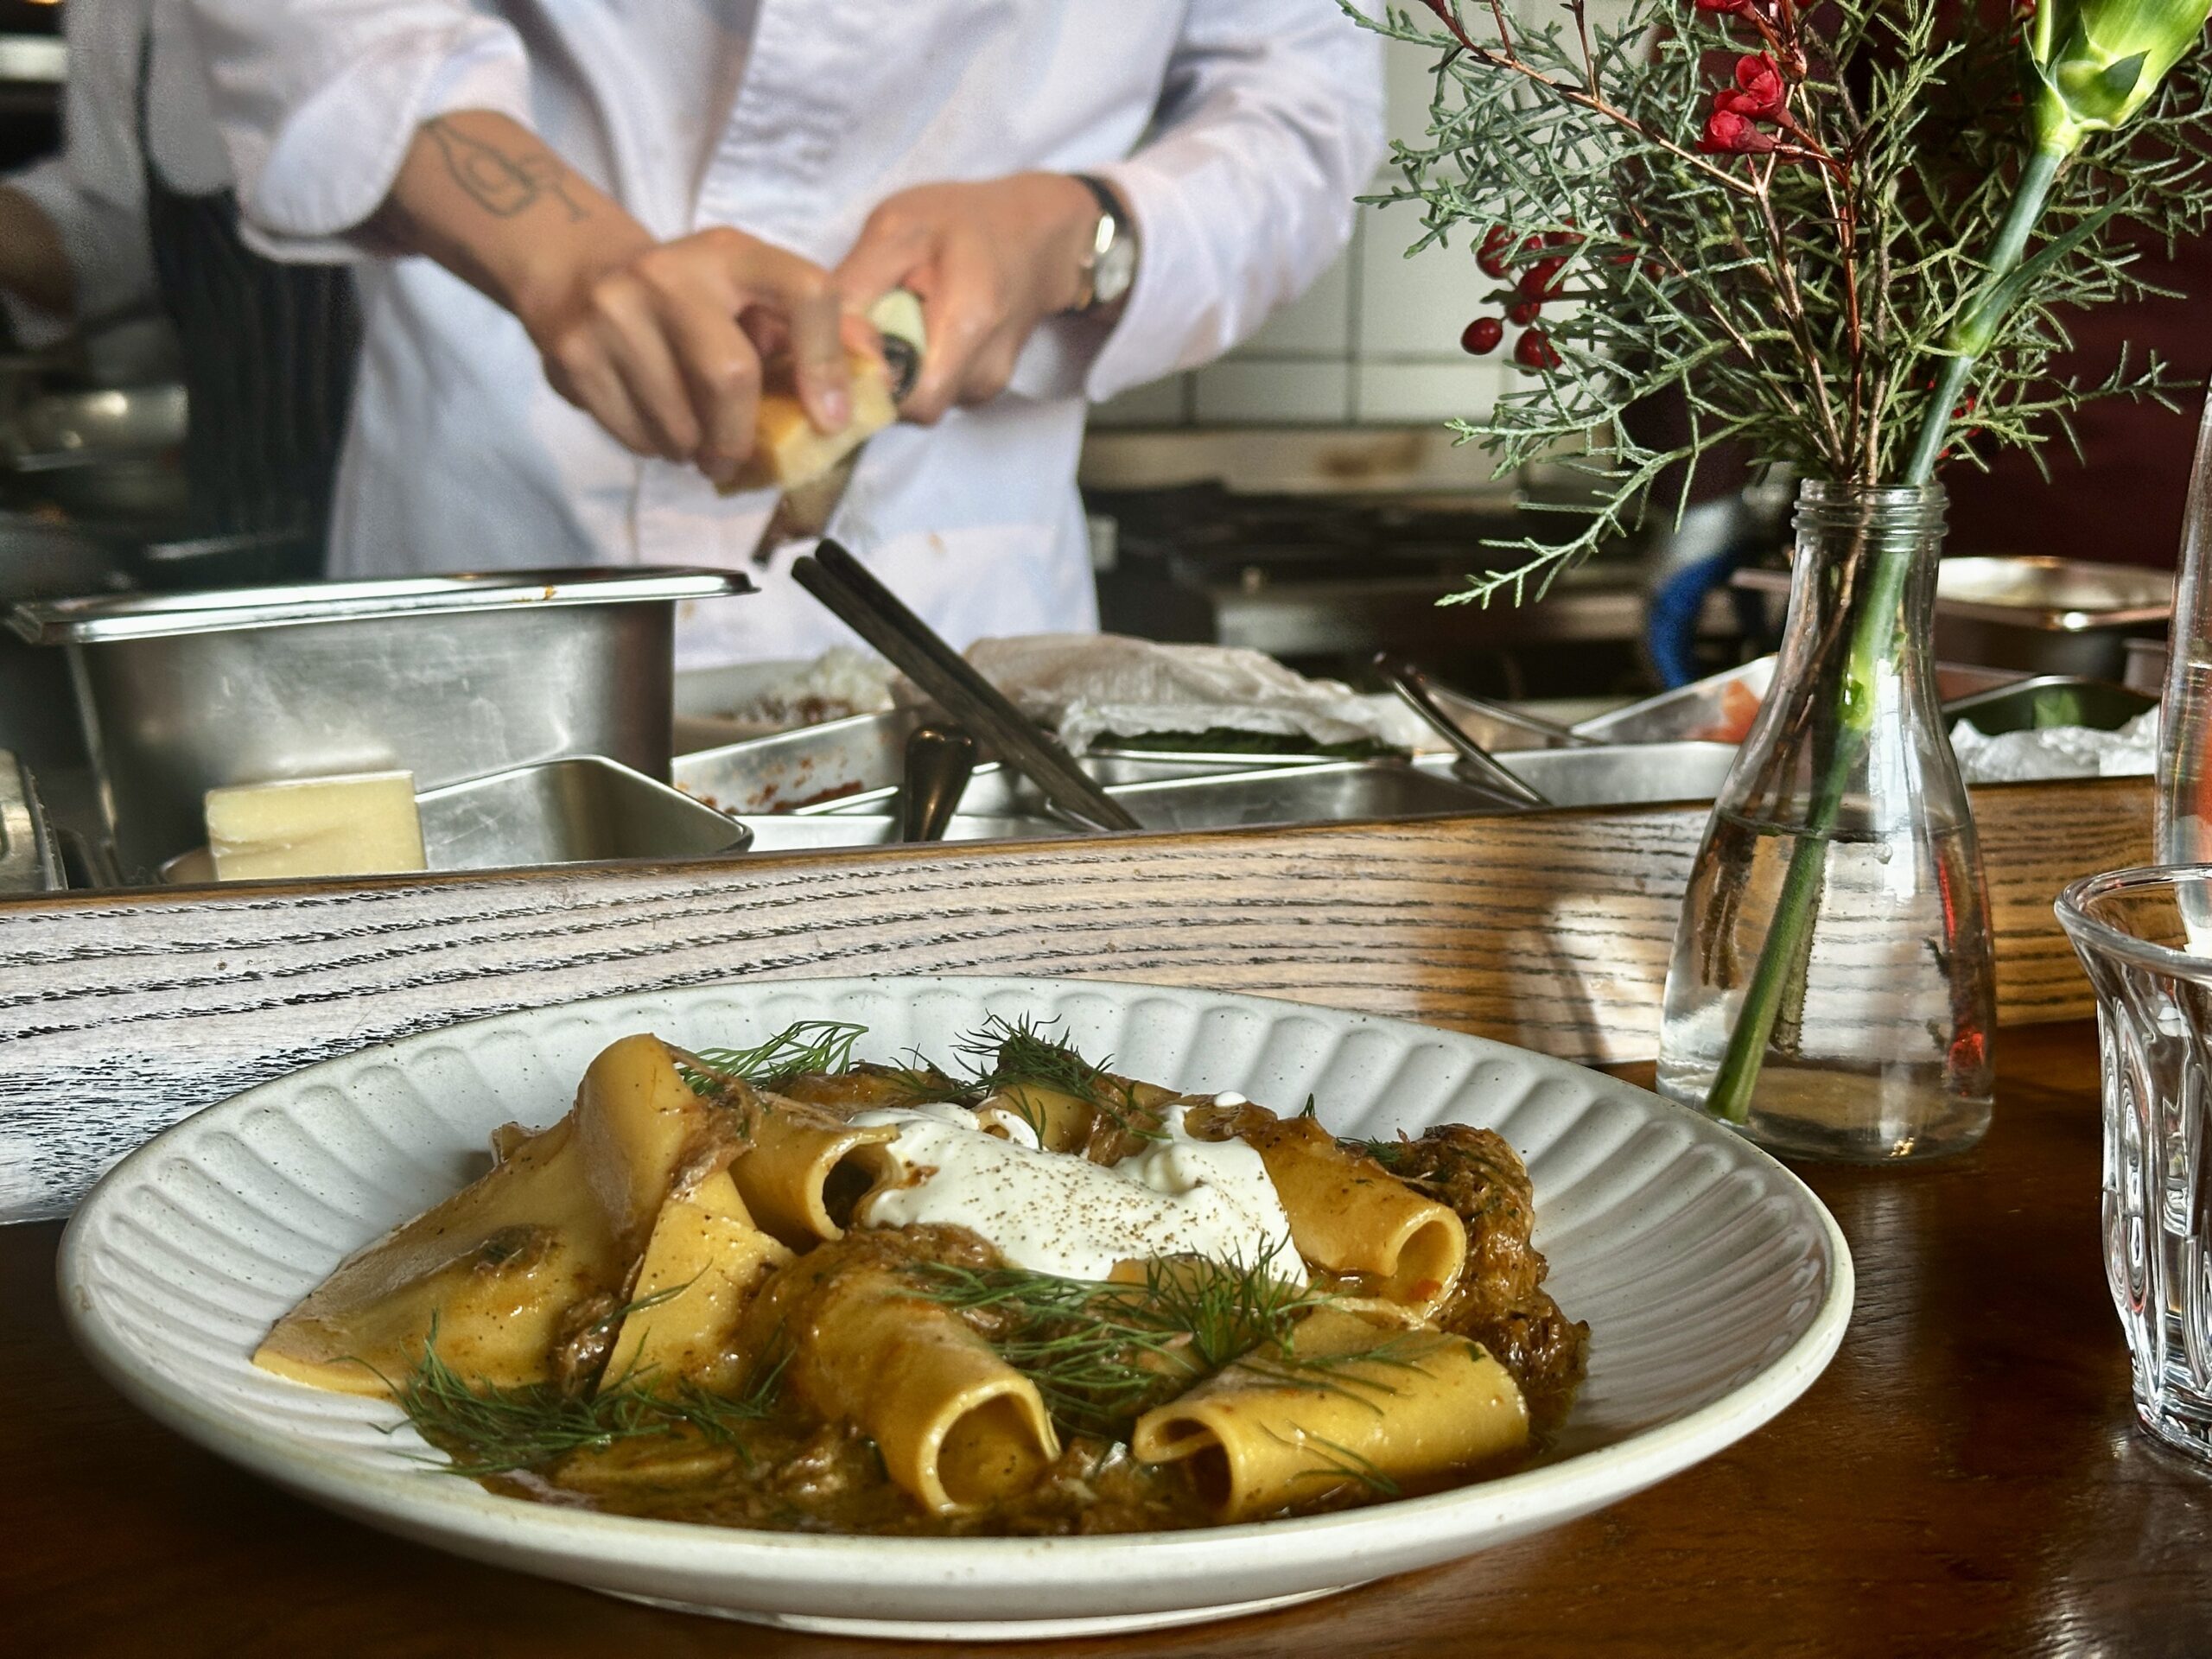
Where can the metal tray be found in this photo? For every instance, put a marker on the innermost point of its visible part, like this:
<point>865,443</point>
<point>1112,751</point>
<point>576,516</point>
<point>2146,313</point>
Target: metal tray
<point>100,619</point>
<point>808,766</point>
<point>784,832</point>
<point>584,810</point>
<point>2047,700</point>
<point>1624,774</point>
<point>29,861</point>
<point>854,765</point>
<point>1699,711</point>
<point>448,677</point>
<point>1340,792</point>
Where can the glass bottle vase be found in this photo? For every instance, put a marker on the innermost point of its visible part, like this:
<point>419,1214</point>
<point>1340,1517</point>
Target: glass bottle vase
<point>1832,990</point>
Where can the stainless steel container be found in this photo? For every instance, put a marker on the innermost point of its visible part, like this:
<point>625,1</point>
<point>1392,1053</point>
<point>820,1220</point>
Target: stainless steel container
<point>1341,791</point>
<point>808,766</point>
<point>2047,700</point>
<point>784,832</point>
<point>2037,615</point>
<point>448,677</point>
<point>854,765</point>
<point>583,810</point>
<point>1710,709</point>
<point>29,861</point>
<point>1628,774</point>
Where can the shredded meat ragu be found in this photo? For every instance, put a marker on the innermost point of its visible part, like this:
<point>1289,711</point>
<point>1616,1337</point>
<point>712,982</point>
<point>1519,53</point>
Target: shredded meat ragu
<point>1500,1300</point>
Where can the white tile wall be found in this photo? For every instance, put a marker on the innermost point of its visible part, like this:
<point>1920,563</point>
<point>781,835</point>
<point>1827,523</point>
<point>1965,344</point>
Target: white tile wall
<point>1375,340</point>
<point>1255,390</point>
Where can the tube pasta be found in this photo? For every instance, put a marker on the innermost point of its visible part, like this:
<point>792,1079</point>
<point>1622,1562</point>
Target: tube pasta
<point>730,1303</point>
<point>956,1426</point>
<point>1352,1217</point>
<point>704,1260</point>
<point>788,1177</point>
<point>1268,1433</point>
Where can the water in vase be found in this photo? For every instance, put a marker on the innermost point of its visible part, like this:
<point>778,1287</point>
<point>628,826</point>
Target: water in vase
<point>1876,1053</point>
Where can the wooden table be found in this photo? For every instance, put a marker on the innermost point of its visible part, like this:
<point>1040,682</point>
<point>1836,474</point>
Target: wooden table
<point>1963,1480</point>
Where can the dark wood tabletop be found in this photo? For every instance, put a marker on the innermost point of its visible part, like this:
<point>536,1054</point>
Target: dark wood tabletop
<point>1964,1479</point>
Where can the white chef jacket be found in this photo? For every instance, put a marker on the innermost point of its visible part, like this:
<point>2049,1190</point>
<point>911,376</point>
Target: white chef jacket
<point>1237,130</point>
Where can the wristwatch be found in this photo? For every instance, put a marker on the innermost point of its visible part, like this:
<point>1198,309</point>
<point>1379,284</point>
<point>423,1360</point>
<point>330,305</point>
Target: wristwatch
<point>1111,266</point>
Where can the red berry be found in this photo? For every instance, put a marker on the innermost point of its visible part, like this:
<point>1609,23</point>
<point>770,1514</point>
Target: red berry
<point>1522,312</point>
<point>1498,242</point>
<point>1481,335</point>
<point>1537,281</point>
<point>1534,351</point>
<point>1566,238</point>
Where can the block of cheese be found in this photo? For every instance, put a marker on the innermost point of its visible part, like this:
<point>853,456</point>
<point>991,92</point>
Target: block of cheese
<point>789,453</point>
<point>364,825</point>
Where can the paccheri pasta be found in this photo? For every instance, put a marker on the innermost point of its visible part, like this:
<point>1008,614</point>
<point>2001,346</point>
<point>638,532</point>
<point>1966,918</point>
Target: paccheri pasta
<point>777,1288</point>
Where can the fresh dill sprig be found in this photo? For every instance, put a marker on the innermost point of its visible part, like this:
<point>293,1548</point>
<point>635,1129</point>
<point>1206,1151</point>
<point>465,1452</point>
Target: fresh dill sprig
<point>1005,1054</point>
<point>488,1431</point>
<point>802,1046</point>
<point>1339,1462</point>
<point>1103,1354</point>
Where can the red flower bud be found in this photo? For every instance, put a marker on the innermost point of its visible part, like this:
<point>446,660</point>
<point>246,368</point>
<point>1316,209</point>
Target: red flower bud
<point>1481,336</point>
<point>1759,93</point>
<point>1522,312</point>
<point>1728,133</point>
<point>1734,7</point>
<point>1534,351</point>
<point>1489,259</point>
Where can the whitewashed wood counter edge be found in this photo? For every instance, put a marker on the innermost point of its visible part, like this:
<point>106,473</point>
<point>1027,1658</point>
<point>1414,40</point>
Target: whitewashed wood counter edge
<point>120,1014</point>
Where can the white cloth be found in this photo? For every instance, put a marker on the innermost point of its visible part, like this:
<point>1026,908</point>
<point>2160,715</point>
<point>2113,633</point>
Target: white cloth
<point>1105,685</point>
<point>1238,130</point>
<point>94,191</point>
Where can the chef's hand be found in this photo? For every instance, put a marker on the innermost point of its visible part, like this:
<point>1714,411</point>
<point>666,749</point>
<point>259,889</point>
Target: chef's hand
<point>990,261</point>
<point>661,342</point>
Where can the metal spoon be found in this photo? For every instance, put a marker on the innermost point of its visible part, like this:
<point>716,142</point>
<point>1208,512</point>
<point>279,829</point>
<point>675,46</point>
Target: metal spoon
<point>939,761</point>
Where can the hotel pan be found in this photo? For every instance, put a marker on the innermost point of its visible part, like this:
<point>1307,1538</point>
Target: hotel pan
<point>448,677</point>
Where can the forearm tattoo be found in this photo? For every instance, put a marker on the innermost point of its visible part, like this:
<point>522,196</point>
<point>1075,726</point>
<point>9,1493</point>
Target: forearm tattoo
<point>502,184</point>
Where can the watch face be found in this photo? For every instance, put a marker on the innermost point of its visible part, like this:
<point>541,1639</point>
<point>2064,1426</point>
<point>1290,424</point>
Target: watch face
<point>1117,268</point>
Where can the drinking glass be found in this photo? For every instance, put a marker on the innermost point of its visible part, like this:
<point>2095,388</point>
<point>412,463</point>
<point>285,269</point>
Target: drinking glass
<point>2151,965</point>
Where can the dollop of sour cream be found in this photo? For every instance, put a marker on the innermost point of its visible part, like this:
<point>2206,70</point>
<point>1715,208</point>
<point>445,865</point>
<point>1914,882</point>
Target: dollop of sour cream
<point>1058,1213</point>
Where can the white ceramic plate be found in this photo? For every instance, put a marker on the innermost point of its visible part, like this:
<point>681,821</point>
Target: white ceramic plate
<point>1716,1288</point>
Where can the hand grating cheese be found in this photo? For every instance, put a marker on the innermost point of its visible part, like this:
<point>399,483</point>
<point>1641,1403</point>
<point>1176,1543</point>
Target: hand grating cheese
<point>365,824</point>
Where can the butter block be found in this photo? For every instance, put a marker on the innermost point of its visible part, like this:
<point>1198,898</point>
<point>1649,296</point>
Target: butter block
<point>364,825</point>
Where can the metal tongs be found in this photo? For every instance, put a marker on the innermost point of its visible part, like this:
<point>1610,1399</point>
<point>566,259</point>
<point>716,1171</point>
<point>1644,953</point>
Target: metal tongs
<point>872,611</point>
<point>1476,764</point>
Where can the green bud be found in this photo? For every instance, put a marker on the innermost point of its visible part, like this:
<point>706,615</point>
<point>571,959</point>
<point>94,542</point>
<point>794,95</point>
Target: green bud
<point>2098,61</point>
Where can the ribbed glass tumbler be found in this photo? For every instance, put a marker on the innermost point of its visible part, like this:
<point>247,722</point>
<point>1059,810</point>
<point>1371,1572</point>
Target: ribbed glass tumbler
<point>2146,937</point>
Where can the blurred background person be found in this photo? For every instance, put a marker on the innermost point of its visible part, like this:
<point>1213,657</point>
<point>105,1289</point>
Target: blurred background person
<point>136,215</point>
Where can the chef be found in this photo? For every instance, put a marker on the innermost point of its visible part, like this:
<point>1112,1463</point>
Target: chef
<point>136,217</point>
<point>620,208</point>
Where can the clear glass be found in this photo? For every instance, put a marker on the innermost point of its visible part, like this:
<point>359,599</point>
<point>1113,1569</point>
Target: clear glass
<point>1843,832</point>
<point>2184,813</point>
<point>2154,1027</point>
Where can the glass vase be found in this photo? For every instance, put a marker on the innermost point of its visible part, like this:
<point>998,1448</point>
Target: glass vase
<point>1832,991</point>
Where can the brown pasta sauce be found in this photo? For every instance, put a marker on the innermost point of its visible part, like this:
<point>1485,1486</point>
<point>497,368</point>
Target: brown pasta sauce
<point>791,1471</point>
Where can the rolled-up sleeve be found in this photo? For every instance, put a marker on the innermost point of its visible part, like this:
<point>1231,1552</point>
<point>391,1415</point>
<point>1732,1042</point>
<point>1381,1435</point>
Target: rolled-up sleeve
<point>318,101</point>
<point>1270,124</point>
